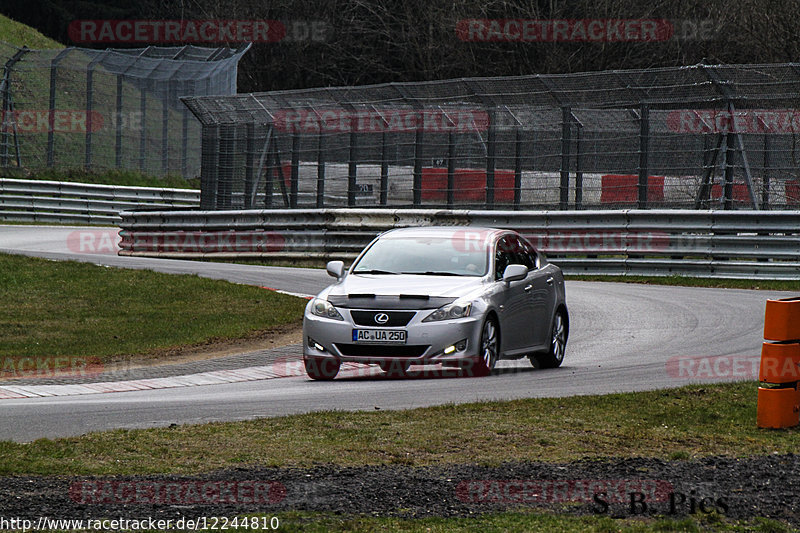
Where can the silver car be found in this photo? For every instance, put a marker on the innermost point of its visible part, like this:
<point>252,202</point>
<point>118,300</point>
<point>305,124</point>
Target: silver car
<point>458,296</point>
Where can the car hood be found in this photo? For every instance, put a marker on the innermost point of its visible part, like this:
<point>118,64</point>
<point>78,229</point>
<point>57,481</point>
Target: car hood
<point>401,291</point>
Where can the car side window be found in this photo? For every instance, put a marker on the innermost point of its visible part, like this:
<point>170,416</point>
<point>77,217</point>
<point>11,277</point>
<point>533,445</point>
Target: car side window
<point>533,256</point>
<point>502,257</point>
<point>521,255</point>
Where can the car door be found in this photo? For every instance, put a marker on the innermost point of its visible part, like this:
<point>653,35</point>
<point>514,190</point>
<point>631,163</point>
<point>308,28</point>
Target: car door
<point>516,312</point>
<point>542,294</point>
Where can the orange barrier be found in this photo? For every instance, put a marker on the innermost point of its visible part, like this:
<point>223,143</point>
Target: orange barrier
<point>777,408</point>
<point>782,320</point>
<point>780,365</point>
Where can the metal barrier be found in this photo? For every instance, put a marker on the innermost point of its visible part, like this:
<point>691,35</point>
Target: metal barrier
<point>729,244</point>
<point>84,203</point>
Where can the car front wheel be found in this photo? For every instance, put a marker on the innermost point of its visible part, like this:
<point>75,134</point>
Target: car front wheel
<point>558,344</point>
<point>489,348</point>
<point>321,368</point>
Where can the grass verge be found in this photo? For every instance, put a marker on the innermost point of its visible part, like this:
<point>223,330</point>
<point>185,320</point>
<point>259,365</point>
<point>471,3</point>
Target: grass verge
<point>129,178</point>
<point>20,35</point>
<point>74,309</point>
<point>522,521</point>
<point>683,281</point>
<point>672,424</point>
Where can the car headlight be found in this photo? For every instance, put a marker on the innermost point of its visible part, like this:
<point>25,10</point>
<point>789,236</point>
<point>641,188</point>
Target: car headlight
<point>324,308</point>
<point>449,312</point>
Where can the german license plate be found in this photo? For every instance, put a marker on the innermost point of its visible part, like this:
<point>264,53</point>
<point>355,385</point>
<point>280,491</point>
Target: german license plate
<point>383,336</point>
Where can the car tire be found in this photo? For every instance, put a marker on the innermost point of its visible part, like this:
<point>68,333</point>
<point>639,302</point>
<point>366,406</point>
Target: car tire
<point>489,348</point>
<point>553,357</point>
<point>321,368</point>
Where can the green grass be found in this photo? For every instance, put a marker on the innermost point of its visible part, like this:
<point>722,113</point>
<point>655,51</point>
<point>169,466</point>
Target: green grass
<point>30,90</point>
<point>20,35</point>
<point>115,177</point>
<point>671,424</point>
<point>532,522</point>
<point>76,309</point>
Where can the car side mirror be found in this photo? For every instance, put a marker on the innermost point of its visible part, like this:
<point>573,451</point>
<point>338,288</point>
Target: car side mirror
<point>515,273</point>
<point>335,269</point>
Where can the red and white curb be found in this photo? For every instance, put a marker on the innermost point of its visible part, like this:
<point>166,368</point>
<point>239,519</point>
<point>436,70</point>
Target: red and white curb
<point>283,369</point>
<point>296,294</point>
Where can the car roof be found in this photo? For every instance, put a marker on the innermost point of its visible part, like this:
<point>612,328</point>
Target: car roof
<point>444,231</point>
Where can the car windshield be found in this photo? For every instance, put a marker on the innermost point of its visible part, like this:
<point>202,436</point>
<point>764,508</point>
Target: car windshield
<point>431,256</point>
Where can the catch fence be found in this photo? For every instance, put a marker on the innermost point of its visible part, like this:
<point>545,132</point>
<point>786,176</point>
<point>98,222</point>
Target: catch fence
<point>108,109</point>
<point>698,137</point>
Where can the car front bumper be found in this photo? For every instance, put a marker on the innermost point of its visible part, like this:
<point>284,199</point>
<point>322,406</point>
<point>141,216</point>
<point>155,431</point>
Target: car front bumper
<point>426,342</point>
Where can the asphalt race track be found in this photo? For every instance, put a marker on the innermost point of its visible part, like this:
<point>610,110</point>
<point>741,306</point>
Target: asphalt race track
<point>624,337</point>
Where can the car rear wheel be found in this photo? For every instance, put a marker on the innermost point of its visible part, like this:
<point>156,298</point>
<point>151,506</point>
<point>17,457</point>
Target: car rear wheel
<point>558,344</point>
<point>321,368</point>
<point>490,346</point>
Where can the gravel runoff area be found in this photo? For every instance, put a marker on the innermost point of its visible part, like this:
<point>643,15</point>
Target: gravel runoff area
<point>736,488</point>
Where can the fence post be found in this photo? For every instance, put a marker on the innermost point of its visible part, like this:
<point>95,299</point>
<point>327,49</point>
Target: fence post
<point>644,149</point>
<point>321,169</point>
<point>165,128</point>
<point>209,167</point>
<point>766,175</point>
<point>143,134</point>
<point>579,166</point>
<point>87,150</point>
<point>185,135</point>
<point>384,168</point>
<point>566,128</point>
<point>8,120</point>
<point>491,146</point>
<point>451,169</point>
<point>352,171</point>
<point>227,157</point>
<point>249,163</point>
<point>295,170</point>
<point>416,187</point>
<point>730,148</point>
<point>118,135</point>
<point>517,166</point>
<point>51,115</point>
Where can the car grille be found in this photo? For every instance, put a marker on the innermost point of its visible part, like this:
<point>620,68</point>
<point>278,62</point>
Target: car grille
<point>396,318</point>
<point>381,350</point>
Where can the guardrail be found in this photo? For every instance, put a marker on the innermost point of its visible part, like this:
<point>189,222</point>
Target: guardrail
<point>730,244</point>
<point>84,203</point>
